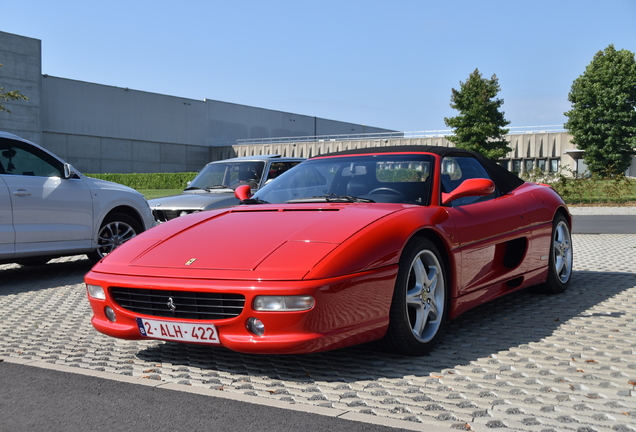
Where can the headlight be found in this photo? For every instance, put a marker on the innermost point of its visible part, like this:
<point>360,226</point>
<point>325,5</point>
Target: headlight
<point>96,291</point>
<point>283,303</point>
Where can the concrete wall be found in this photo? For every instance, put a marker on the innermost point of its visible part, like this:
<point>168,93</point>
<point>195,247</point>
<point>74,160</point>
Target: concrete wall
<point>228,122</point>
<point>22,71</point>
<point>88,109</point>
<point>91,154</point>
<point>102,129</point>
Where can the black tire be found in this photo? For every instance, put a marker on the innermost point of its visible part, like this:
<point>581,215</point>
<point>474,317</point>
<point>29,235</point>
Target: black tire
<point>116,229</point>
<point>560,258</point>
<point>420,300</point>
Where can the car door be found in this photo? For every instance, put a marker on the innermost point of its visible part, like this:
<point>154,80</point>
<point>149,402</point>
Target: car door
<point>50,213</point>
<point>7,234</point>
<point>491,230</point>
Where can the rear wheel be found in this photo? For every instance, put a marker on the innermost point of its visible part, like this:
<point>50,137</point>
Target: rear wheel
<point>560,260</point>
<point>116,229</point>
<point>420,300</point>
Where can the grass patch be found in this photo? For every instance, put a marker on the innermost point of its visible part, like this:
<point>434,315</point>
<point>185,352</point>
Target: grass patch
<point>141,181</point>
<point>158,193</point>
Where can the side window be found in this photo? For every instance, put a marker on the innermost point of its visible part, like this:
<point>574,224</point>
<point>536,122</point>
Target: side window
<point>245,173</point>
<point>277,168</point>
<point>18,159</point>
<point>457,169</point>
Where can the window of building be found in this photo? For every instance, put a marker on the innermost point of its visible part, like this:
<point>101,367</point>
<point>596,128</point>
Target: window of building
<point>554,165</point>
<point>528,165</point>
<point>541,165</point>
<point>516,166</point>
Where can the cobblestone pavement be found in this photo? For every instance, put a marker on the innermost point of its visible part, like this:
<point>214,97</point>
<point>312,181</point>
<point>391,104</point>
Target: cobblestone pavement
<point>524,362</point>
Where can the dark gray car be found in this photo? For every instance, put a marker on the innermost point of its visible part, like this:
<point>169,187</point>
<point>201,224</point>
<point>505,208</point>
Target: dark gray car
<point>214,186</point>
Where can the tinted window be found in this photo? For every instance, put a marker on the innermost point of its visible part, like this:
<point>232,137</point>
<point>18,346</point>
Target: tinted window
<point>277,168</point>
<point>229,174</point>
<point>17,158</point>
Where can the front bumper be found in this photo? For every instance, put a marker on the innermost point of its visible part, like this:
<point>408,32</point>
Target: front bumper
<point>348,310</point>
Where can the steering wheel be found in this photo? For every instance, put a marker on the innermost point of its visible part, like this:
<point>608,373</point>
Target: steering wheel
<point>385,190</point>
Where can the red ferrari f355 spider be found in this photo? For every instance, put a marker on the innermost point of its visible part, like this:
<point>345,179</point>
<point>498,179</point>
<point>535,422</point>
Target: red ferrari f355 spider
<point>362,245</point>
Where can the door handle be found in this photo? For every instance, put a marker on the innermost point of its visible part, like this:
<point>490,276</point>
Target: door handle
<point>21,192</point>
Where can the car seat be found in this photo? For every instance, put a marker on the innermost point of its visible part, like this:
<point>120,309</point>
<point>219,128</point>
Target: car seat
<point>248,177</point>
<point>359,185</point>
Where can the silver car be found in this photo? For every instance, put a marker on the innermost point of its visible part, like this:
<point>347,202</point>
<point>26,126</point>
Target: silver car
<point>48,209</point>
<point>214,186</point>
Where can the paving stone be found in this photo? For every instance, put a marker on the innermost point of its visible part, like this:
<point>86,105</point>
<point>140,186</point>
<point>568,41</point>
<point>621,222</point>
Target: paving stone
<point>522,362</point>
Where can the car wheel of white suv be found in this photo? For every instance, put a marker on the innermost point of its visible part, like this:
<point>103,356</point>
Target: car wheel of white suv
<point>115,230</point>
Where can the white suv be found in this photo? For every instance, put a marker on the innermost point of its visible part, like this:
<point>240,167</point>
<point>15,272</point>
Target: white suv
<point>47,209</point>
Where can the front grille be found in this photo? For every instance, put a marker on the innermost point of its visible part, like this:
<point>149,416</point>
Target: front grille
<point>188,305</point>
<point>166,215</point>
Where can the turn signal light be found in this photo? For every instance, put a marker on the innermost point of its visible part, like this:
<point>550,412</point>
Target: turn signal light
<point>96,291</point>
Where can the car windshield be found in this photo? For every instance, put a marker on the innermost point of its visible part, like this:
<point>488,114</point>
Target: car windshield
<point>384,178</point>
<point>228,175</point>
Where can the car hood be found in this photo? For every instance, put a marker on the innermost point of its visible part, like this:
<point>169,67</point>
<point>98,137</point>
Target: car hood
<point>191,201</point>
<point>97,184</point>
<point>248,242</point>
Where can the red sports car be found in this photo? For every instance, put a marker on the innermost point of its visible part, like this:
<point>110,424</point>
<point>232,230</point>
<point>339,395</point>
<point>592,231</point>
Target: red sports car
<point>350,247</point>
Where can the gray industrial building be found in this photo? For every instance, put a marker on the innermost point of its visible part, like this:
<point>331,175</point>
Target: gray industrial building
<point>100,128</point>
<point>107,129</point>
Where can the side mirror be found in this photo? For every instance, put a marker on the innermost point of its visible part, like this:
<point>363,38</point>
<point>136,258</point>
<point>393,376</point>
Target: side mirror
<point>243,192</point>
<point>69,171</point>
<point>470,187</point>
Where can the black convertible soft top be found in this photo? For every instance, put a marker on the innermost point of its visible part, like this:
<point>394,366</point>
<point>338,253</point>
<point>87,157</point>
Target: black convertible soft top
<point>504,179</point>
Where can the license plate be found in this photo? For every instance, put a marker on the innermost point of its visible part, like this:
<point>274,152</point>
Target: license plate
<point>178,331</point>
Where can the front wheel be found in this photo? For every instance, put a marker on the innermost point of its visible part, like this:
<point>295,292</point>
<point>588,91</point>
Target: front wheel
<point>116,229</point>
<point>420,300</point>
<point>560,259</point>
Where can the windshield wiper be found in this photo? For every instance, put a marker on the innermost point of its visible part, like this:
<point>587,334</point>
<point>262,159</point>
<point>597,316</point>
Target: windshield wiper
<point>207,188</point>
<point>331,198</point>
<point>253,201</point>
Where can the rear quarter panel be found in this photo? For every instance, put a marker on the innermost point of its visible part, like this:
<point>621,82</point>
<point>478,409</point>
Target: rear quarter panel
<point>541,204</point>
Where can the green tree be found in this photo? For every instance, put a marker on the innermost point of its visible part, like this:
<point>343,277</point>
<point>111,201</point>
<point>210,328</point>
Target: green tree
<point>480,125</point>
<point>602,120</point>
<point>7,96</point>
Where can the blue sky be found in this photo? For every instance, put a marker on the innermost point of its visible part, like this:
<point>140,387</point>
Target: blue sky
<point>388,64</point>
